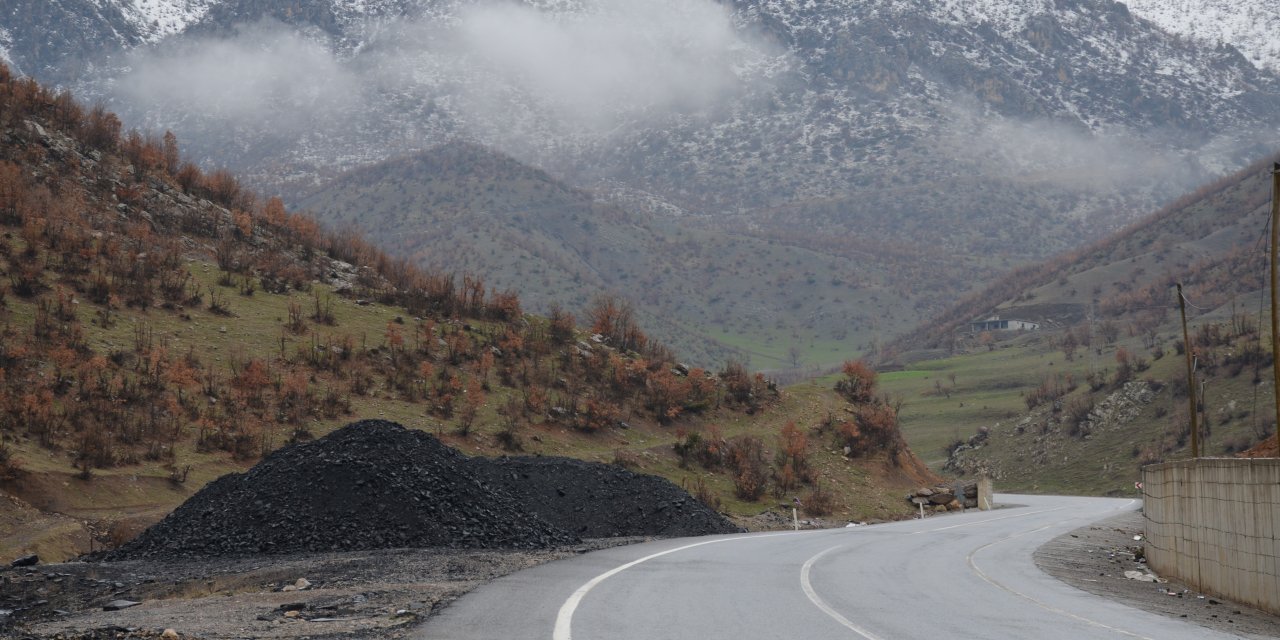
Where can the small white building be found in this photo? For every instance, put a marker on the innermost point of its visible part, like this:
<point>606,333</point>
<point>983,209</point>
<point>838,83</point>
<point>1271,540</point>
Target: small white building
<point>994,323</point>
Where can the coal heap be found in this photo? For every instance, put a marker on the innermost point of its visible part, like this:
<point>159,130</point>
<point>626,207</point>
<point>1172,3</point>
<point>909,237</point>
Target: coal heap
<point>593,500</point>
<point>370,485</point>
<point>374,484</point>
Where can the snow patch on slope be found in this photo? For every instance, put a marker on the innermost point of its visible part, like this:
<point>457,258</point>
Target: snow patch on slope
<point>1252,26</point>
<point>6,41</point>
<point>1006,15</point>
<point>157,19</point>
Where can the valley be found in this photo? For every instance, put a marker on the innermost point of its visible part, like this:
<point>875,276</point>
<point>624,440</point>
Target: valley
<point>332,287</point>
<point>855,168</point>
<point>1101,389</point>
<point>164,327</point>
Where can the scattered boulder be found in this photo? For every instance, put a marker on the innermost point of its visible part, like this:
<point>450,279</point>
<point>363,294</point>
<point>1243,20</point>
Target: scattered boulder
<point>942,497</point>
<point>26,561</point>
<point>953,498</point>
<point>1141,576</point>
<point>117,605</point>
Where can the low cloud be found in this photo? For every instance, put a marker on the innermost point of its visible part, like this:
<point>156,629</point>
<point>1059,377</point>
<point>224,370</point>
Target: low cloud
<point>1065,154</point>
<point>617,57</point>
<point>497,67</point>
<point>265,74</point>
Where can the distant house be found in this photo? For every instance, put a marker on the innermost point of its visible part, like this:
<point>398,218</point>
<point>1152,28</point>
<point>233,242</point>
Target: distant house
<point>994,323</point>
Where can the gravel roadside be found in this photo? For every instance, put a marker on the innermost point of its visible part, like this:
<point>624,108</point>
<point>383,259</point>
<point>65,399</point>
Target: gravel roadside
<point>365,594</point>
<point>1095,558</point>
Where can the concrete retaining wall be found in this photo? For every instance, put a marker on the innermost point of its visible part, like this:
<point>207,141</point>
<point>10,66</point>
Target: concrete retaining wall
<point>1213,523</point>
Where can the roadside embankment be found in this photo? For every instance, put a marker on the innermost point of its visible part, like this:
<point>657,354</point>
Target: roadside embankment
<point>1095,559</point>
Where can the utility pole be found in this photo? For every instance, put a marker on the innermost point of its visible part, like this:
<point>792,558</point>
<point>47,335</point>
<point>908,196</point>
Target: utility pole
<point>1093,355</point>
<point>1191,376</point>
<point>1275,305</point>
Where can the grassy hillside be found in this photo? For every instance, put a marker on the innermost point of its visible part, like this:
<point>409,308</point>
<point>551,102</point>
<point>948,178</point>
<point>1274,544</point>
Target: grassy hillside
<point>161,326</point>
<point>775,300</point>
<point>1207,239</point>
<point>1101,389</point>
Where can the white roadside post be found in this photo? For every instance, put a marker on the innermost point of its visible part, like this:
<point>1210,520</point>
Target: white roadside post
<point>795,516</point>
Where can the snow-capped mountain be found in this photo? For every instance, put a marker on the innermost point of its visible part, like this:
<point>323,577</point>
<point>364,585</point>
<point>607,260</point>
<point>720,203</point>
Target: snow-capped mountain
<point>1252,26</point>
<point>978,132</point>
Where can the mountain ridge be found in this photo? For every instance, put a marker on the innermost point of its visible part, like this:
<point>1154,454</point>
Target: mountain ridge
<point>1247,26</point>
<point>983,135</point>
<point>1210,227</point>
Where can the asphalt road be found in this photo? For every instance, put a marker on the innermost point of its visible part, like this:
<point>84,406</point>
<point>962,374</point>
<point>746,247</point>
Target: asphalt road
<point>956,576</point>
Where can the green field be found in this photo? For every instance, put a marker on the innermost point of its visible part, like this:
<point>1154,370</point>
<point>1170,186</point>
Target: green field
<point>765,351</point>
<point>949,400</point>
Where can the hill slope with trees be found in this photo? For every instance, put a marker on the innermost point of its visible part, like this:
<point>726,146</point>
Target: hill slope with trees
<point>712,294</point>
<point>1101,387</point>
<point>162,325</point>
<point>934,145</point>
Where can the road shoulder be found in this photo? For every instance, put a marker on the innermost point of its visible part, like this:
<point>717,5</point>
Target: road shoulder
<point>1094,558</point>
<point>383,594</point>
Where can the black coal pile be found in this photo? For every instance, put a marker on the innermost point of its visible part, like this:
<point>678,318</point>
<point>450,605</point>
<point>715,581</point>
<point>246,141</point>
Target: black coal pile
<point>594,500</point>
<point>374,484</point>
<point>370,485</point>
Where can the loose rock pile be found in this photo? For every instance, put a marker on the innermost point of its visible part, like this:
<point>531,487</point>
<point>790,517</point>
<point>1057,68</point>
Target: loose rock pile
<point>376,485</point>
<point>944,498</point>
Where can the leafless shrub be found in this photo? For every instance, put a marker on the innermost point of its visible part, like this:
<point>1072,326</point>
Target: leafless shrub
<point>626,459</point>
<point>818,501</point>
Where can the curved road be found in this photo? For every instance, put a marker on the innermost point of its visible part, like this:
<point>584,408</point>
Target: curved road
<point>960,576</point>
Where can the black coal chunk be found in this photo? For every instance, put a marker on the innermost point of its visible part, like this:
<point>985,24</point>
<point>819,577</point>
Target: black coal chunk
<point>374,484</point>
<point>596,500</point>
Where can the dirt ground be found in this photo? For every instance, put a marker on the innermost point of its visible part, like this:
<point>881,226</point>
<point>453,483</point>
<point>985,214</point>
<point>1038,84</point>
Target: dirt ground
<point>1094,559</point>
<point>374,594</point>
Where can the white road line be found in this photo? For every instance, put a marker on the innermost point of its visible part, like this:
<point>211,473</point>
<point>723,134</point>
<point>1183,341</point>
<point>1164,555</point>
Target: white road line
<point>813,596</point>
<point>564,619</point>
<point>807,585</point>
<point>1044,605</point>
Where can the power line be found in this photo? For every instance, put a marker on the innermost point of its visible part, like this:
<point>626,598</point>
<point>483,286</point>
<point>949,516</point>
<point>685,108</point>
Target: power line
<point>1189,303</point>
